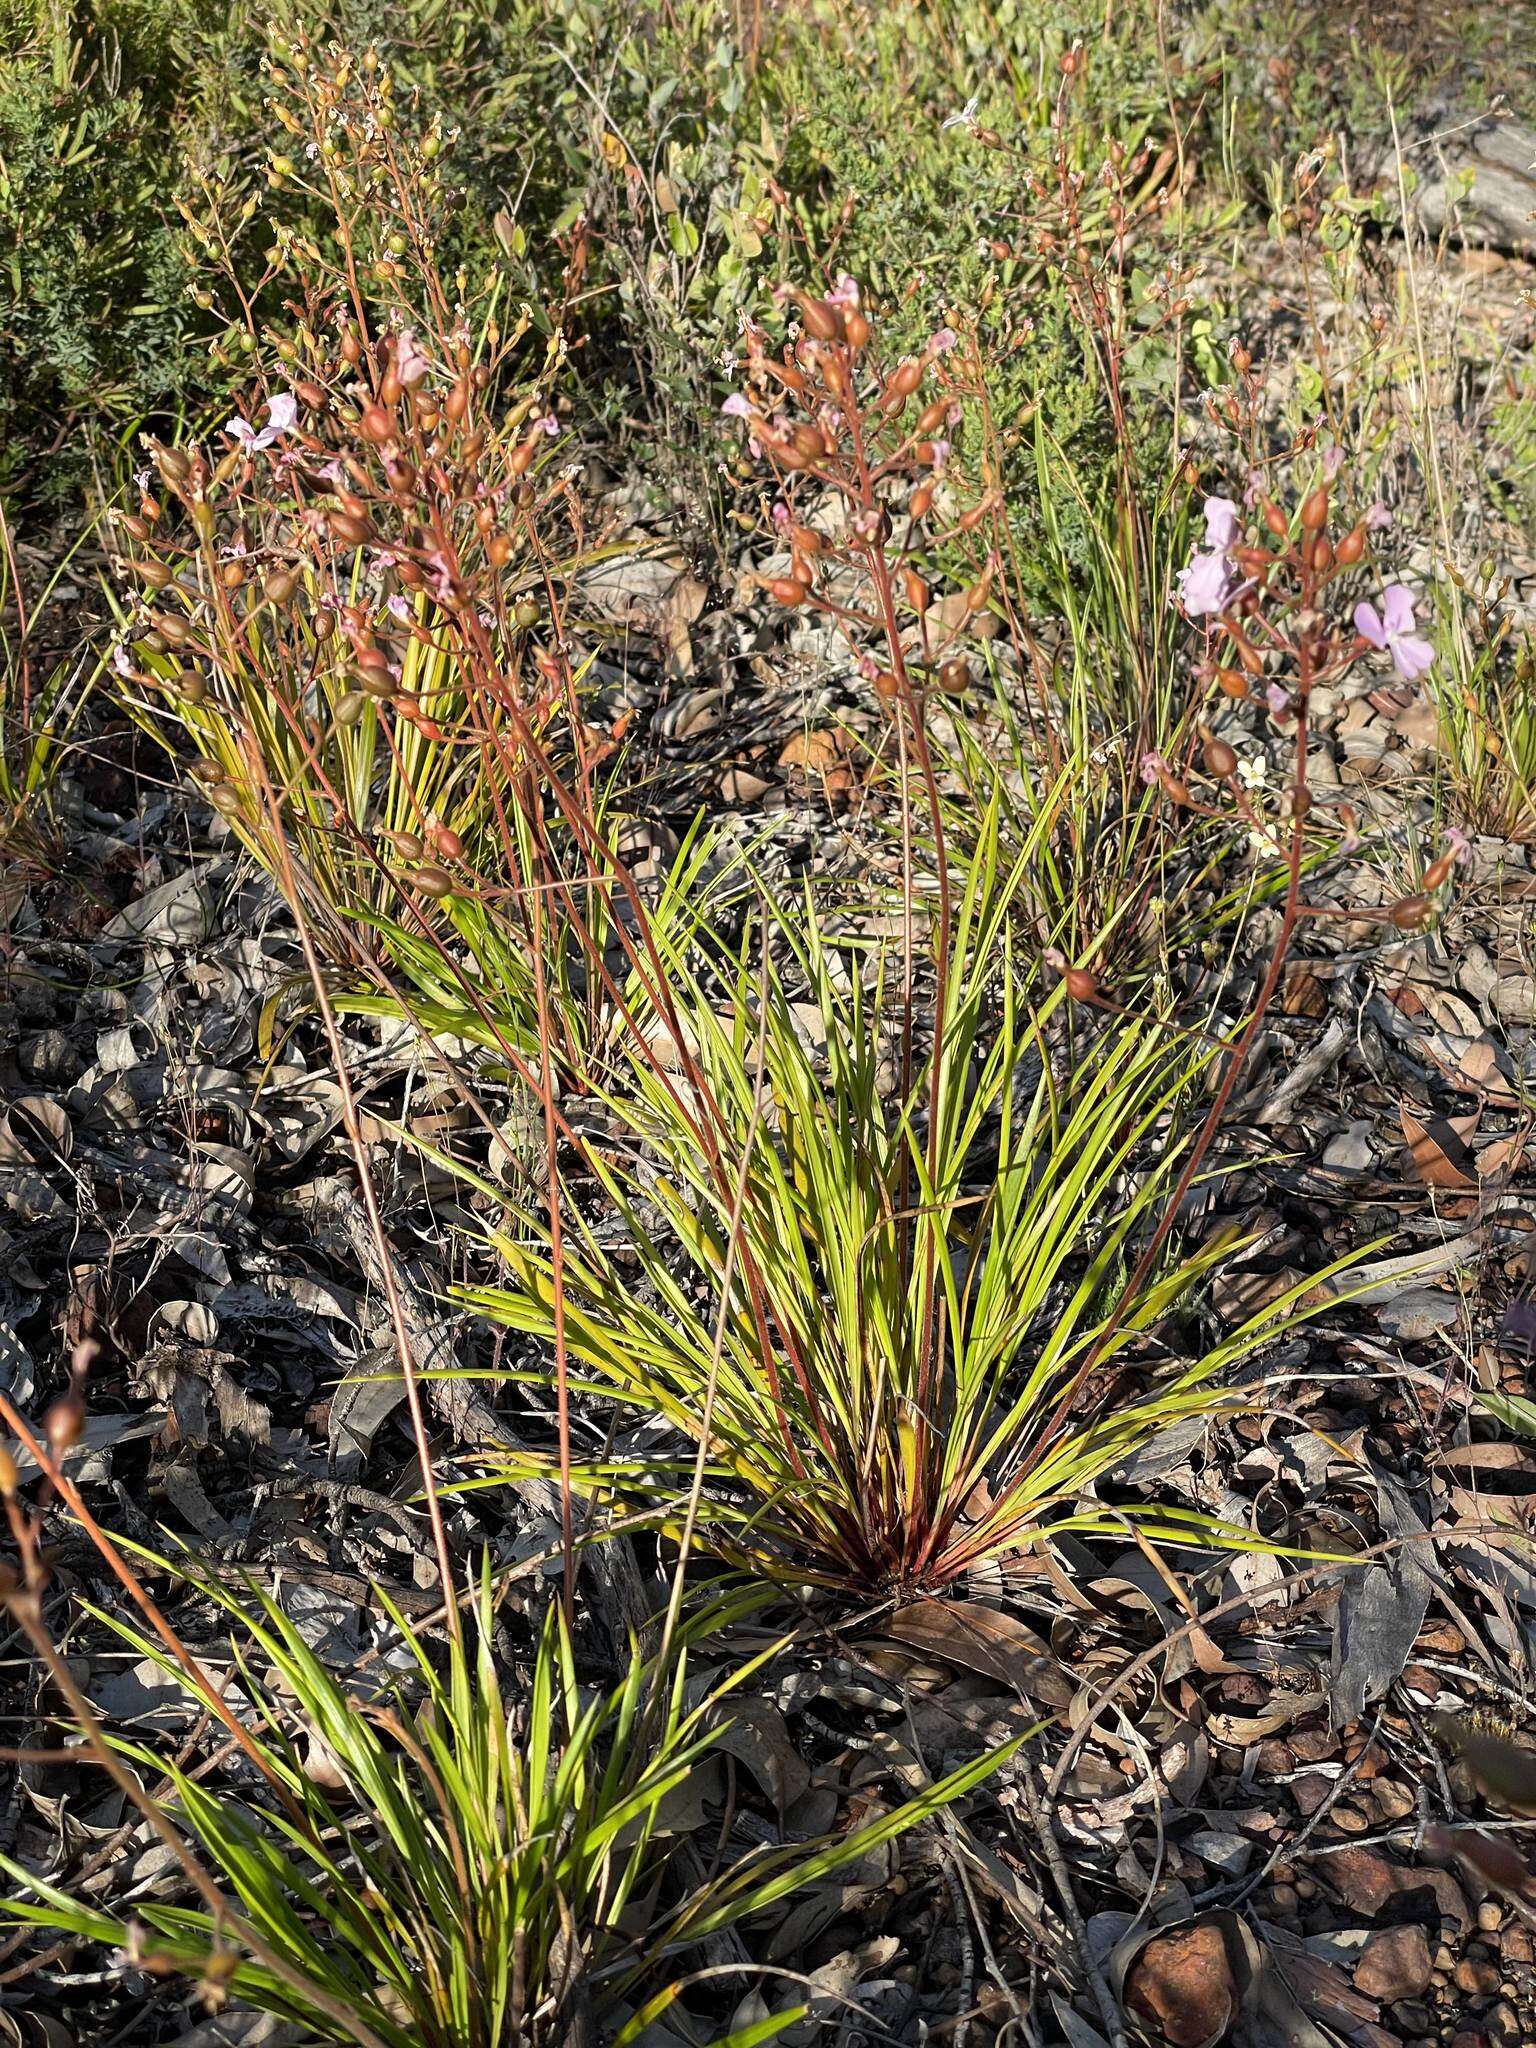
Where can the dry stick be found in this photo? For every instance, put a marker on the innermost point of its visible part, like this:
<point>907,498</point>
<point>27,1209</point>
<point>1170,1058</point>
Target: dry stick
<point>1043,1820</point>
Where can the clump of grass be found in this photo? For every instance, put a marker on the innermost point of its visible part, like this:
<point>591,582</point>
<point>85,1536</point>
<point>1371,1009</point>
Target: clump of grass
<point>446,1862</point>
<point>886,1307</point>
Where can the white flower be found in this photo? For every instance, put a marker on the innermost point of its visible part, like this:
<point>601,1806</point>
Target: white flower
<point>1253,772</point>
<point>282,411</point>
<point>966,118</point>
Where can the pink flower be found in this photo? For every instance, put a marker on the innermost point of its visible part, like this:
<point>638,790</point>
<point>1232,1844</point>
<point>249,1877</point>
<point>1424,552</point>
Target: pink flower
<point>282,411</point>
<point>736,407</point>
<point>942,342</point>
<point>1333,461</point>
<point>1153,768</point>
<point>1223,524</point>
<point>411,366</point>
<point>1392,629</point>
<point>1205,585</point>
<point>1378,517</point>
<point>1278,700</point>
<point>844,293</point>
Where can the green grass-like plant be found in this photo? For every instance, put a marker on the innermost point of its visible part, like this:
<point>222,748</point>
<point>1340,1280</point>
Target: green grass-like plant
<point>443,1864</point>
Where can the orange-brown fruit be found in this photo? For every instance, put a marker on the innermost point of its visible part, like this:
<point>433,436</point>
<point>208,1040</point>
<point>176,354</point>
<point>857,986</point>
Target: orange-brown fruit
<point>1314,510</point>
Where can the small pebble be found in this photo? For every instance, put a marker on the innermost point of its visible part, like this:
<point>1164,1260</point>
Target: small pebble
<point>1490,1916</point>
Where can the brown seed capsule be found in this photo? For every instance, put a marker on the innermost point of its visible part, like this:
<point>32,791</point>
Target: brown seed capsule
<point>1231,684</point>
<point>349,529</point>
<point>1275,519</point>
<point>377,424</point>
<point>173,465</point>
<point>131,523</point>
<point>310,395</point>
<point>1411,913</point>
<point>232,575</point>
<point>1242,361</point>
<point>920,504</point>
<point>408,845</point>
<point>456,404</point>
<point>431,881</point>
<point>788,590</point>
<point>916,589</point>
<point>325,623</point>
<point>1322,555</point>
<point>498,550</point>
<point>821,321</point>
<point>1299,800</point>
<point>1082,986</point>
<point>225,801</point>
<point>280,586</point>
<point>190,687</point>
<point>1314,510</point>
<point>1220,759</point>
<point>808,441</point>
<point>526,614</point>
<point>349,707</point>
<point>1439,872</point>
<point>886,685</point>
<point>8,1474</point>
<point>351,347</point>
<point>174,630</point>
<point>806,540</point>
<point>156,574</point>
<point>378,682</point>
<point>856,328</point>
<point>1351,547</point>
<point>391,390</point>
<point>205,771</point>
<point>931,418</point>
<point>446,841</point>
<point>955,677</point>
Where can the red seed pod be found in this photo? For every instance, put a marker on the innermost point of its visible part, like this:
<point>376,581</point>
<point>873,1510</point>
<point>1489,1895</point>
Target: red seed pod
<point>856,328</point>
<point>1231,684</point>
<point>916,589</point>
<point>391,390</point>
<point>788,590</point>
<point>1314,510</point>
<point>921,502</point>
<point>1220,759</point>
<point>1322,555</point>
<point>932,417</point>
<point>1242,361</point>
<point>446,841</point>
<point>1351,547</point>
<point>1275,519</point>
<point>377,424</point>
<point>821,321</point>
<point>1082,986</point>
<point>1411,913</point>
<point>1438,873</point>
<point>903,381</point>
